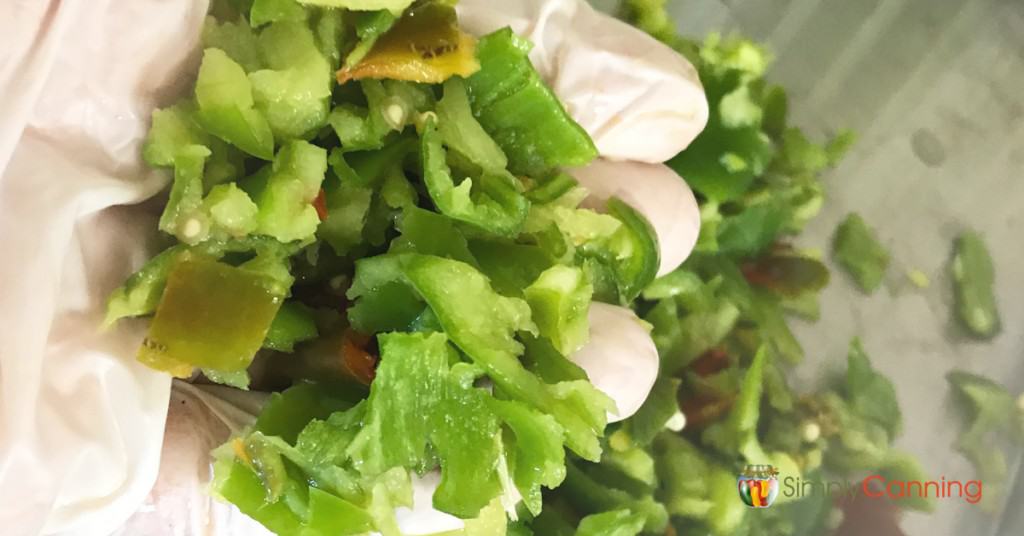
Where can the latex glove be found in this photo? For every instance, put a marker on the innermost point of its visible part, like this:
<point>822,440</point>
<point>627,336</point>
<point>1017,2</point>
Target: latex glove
<point>81,421</point>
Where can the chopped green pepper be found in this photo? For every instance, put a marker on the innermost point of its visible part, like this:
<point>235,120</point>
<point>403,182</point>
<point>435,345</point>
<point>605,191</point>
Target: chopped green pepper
<point>635,249</point>
<point>285,190</point>
<point>183,217</point>
<point>294,92</point>
<point>461,132</point>
<point>521,112</point>
<point>294,323</point>
<point>424,45</point>
<point>431,233</point>
<point>212,315</point>
<point>267,11</point>
<point>560,301</point>
<point>974,279</point>
<point>141,293</point>
<point>497,206</point>
<point>224,95</point>
<point>858,251</point>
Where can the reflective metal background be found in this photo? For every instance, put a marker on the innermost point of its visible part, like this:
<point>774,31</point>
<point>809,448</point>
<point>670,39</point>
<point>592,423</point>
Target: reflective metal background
<point>935,90</point>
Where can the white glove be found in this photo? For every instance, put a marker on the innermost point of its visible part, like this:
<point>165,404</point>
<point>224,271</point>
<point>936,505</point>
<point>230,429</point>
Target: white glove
<point>80,420</point>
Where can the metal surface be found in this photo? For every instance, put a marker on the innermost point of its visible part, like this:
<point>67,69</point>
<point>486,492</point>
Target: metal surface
<point>934,90</point>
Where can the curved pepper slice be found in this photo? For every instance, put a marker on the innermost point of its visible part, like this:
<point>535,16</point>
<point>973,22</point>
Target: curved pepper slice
<point>212,315</point>
<point>636,250</point>
<point>500,209</point>
<point>521,113</point>
<point>425,45</point>
<point>226,105</point>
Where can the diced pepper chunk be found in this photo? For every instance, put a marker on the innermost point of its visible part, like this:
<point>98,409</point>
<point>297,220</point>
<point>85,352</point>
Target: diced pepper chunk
<point>212,315</point>
<point>521,113</point>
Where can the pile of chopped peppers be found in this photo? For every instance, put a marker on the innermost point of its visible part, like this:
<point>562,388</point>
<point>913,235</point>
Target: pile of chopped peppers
<point>371,201</point>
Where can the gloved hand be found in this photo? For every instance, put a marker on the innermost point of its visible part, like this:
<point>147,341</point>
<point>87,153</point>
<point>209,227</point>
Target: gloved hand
<point>95,415</point>
<point>81,421</point>
<point>642,103</point>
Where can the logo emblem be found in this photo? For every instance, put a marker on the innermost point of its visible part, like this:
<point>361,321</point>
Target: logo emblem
<point>759,485</point>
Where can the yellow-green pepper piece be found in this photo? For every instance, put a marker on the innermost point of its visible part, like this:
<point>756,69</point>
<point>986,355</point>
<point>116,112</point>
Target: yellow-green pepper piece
<point>212,315</point>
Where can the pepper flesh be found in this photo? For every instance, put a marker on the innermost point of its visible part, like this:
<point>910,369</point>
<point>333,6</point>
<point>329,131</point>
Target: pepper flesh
<point>425,45</point>
<point>212,315</point>
<point>974,279</point>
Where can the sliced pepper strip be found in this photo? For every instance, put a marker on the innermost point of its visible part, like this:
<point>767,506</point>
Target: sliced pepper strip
<point>212,315</point>
<point>425,45</point>
<point>501,209</point>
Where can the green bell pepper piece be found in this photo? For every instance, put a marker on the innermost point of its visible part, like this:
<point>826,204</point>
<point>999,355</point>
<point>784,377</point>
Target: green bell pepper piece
<point>726,513</point>
<point>542,359</point>
<point>236,38</point>
<point>552,188</point>
<point>560,301</point>
<point>614,523</point>
<point>141,293</point>
<point>510,267</point>
<point>498,207</point>
<point>238,379</point>
<point>591,494</point>
<point>370,26</point>
<point>348,205</point>
<point>286,413</point>
<point>539,455</point>
<point>240,485</point>
<point>284,192</point>
<point>461,132</point>
<point>212,315</point>
<point>225,99</point>
<point>333,516</point>
<point>332,36</point>
<point>661,405</point>
<point>974,279</point>
<point>384,302</point>
<point>267,11</point>
<point>391,105</point>
<point>294,323</point>
<point>520,112</point>
<point>858,250</point>
<point>183,216</point>
<point>294,92</point>
<point>739,432</point>
<point>431,233</point>
<point>173,133</point>
<point>405,397</point>
<point>467,446</point>
<point>482,324</point>
<point>635,249</point>
<point>230,211</point>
